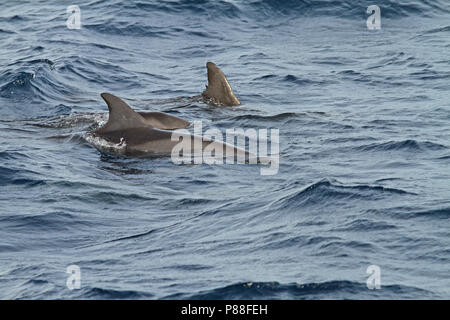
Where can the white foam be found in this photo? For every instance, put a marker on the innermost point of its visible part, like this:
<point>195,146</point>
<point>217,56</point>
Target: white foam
<point>104,145</point>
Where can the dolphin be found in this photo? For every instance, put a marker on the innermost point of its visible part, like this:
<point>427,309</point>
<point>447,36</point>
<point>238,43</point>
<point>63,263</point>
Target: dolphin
<point>218,91</point>
<point>143,134</point>
<point>121,115</point>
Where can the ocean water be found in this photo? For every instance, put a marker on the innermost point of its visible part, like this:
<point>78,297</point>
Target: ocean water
<point>364,120</point>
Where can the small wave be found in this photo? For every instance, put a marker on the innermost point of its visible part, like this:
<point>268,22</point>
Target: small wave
<point>334,61</point>
<point>394,59</point>
<point>404,145</point>
<point>15,83</point>
<point>141,28</point>
<point>12,155</point>
<point>371,79</point>
<point>440,213</point>
<point>8,32</point>
<point>243,10</point>
<point>112,197</point>
<point>281,241</point>
<point>111,294</point>
<point>209,8</point>
<point>129,29</point>
<point>291,79</point>
<point>27,182</point>
<point>72,120</point>
<point>13,18</point>
<point>275,117</point>
<point>35,83</point>
<point>443,213</point>
<point>124,170</point>
<point>9,176</point>
<point>324,191</point>
<point>185,202</point>
<point>24,77</point>
<point>447,157</point>
<point>348,8</point>
<point>93,70</point>
<point>52,221</point>
<point>338,289</point>
<point>429,74</point>
<point>365,225</point>
<point>438,30</point>
<point>61,109</point>
<point>189,267</point>
<point>33,62</point>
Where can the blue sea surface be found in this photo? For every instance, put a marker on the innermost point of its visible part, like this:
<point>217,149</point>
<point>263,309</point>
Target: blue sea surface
<point>364,176</point>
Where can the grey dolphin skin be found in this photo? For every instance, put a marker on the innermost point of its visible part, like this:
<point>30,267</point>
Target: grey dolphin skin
<point>121,115</point>
<point>162,120</point>
<point>218,91</point>
<point>142,134</point>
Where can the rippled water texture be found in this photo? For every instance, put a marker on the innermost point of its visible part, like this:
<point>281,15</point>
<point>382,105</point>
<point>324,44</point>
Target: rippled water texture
<point>364,119</point>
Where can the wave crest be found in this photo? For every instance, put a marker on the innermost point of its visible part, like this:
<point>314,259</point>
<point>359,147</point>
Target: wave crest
<point>338,289</point>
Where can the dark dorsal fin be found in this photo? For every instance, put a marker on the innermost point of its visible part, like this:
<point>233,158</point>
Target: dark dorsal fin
<point>121,116</point>
<point>218,88</point>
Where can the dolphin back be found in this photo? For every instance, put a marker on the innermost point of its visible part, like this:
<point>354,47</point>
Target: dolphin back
<point>122,117</point>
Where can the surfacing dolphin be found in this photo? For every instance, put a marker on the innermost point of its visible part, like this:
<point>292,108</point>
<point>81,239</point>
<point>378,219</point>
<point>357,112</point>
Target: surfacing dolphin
<point>143,134</point>
<point>218,91</point>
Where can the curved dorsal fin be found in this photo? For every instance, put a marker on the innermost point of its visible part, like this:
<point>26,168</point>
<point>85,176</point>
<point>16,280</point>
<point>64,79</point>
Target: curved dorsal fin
<point>218,88</point>
<point>121,116</point>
